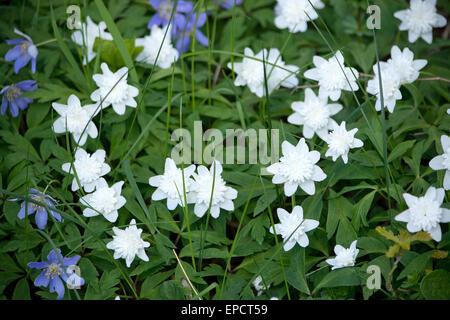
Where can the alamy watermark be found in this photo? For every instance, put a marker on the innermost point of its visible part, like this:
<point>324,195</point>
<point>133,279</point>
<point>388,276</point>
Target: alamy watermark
<point>374,20</point>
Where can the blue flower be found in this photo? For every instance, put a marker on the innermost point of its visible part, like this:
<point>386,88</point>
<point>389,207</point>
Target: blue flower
<point>54,269</point>
<point>12,96</point>
<point>41,211</point>
<point>23,52</point>
<point>184,39</point>
<point>228,4</point>
<point>164,12</point>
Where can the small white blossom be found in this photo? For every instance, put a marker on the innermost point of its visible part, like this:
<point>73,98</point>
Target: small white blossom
<point>297,168</point>
<point>250,72</point>
<point>314,114</point>
<point>76,119</point>
<point>390,81</point>
<point>340,141</point>
<point>127,244</point>
<point>332,76</point>
<point>425,213</point>
<point>222,197</point>
<point>114,89</point>
<point>293,227</point>
<point>294,14</point>
<point>170,184</point>
<point>156,43</point>
<point>420,19</point>
<point>86,37</point>
<point>404,63</point>
<point>442,162</point>
<point>89,169</point>
<point>259,285</point>
<point>104,200</point>
<point>274,298</point>
<point>344,257</point>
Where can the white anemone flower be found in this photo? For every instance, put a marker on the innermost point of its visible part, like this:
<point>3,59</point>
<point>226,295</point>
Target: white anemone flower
<point>442,162</point>
<point>87,35</point>
<point>297,168</point>
<point>128,244</point>
<point>293,227</point>
<point>314,114</point>
<point>259,285</point>
<point>76,119</point>
<point>114,89</point>
<point>104,200</point>
<point>333,76</point>
<point>390,80</point>
<point>89,169</point>
<point>404,63</point>
<point>294,14</point>
<point>344,257</point>
<point>204,182</point>
<point>156,43</point>
<point>420,19</point>
<point>170,184</point>
<point>340,141</point>
<point>425,213</point>
<point>250,72</point>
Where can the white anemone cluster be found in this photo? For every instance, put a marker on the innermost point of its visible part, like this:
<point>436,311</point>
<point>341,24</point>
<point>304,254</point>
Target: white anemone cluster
<point>420,19</point>
<point>340,141</point>
<point>294,14</point>
<point>204,188</point>
<point>259,285</point>
<point>87,169</point>
<point>158,48</point>
<point>78,120</point>
<point>344,257</point>
<point>425,213</point>
<point>128,244</point>
<point>400,69</point>
<point>314,114</point>
<point>265,66</point>
<point>333,76</point>
<point>293,227</point>
<point>114,89</point>
<point>442,162</point>
<point>87,35</point>
<point>297,168</point>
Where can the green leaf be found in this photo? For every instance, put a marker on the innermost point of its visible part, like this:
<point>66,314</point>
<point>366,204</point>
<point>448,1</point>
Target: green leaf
<point>22,290</point>
<point>436,285</point>
<point>363,207</point>
<point>170,290</point>
<point>339,278</point>
<point>295,274</point>
<point>400,149</point>
<point>417,265</point>
<point>147,288</point>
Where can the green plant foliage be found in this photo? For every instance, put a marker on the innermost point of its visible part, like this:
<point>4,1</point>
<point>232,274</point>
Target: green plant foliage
<point>209,257</point>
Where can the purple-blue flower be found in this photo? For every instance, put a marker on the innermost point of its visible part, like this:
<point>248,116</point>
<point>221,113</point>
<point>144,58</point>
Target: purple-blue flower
<point>54,269</point>
<point>12,97</point>
<point>228,4</point>
<point>23,52</point>
<point>164,11</point>
<point>28,207</point>
<point>184,38</point>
